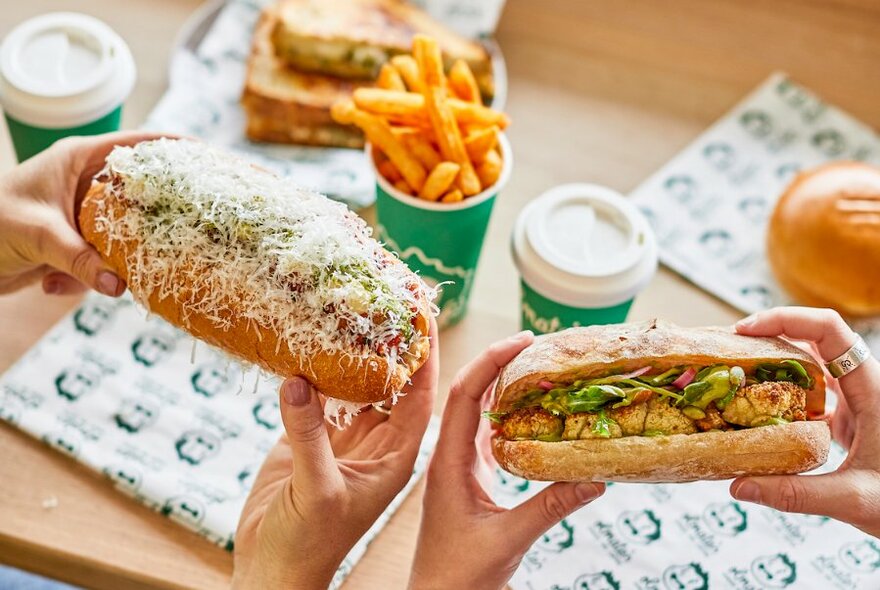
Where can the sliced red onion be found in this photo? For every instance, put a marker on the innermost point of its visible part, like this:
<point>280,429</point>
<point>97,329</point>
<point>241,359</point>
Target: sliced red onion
<point>685,378</point>
<point>636,373</point>
<point>545,385</point>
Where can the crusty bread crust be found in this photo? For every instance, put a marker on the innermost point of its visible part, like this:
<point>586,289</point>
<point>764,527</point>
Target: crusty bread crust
<point>598,350</point>
<point>764,450</point>
<point>334,375</point>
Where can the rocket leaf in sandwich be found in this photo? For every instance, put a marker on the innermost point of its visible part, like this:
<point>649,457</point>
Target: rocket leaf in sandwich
<point>787,370</point>
<point>603,424</point>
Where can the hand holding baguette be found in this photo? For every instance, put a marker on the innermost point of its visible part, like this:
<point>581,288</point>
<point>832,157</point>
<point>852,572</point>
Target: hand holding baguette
<point>320,489</point>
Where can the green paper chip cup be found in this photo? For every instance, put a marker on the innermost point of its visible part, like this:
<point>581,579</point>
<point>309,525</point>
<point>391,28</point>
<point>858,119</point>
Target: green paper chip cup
<point>62,74</point>
<point>583,252</point>
<point>440,241</point>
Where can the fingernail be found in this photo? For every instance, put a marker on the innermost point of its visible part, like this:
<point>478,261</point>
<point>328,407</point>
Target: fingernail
<point>108,283</point>
<point>746,321</point>
<point>748,491</point>
<point>52,288</point>
<point>296,392</point>
<point>587,491</point>
<point>524,335</point>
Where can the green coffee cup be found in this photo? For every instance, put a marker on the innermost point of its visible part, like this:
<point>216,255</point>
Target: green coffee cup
<point>583,252</point>
<point>62,74</point>
<point>440,241</point>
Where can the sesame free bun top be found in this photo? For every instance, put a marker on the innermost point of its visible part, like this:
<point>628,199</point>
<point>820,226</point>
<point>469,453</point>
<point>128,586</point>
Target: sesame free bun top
<point>823,240</point>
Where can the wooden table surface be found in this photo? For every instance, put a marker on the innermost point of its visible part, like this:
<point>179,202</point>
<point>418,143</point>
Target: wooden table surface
<point>599,91</point>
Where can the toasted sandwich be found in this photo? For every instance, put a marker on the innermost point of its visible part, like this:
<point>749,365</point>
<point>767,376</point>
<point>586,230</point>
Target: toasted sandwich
<point>354,38</point>
<point>284,105</point>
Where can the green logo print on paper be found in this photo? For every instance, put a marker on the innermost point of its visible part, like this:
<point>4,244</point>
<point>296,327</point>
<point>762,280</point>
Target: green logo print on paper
<point>195,446</point>
<point>93,316</point>
<point>690,576</point>
<point>603,580</point>
<point>510,485</point>
<point>727,519</point>
<point>134,415</point>
<point>557,539</point>
<point>774,571</point>
<point>151,348</point>
<point>641,526</point>
<point>862,557</point>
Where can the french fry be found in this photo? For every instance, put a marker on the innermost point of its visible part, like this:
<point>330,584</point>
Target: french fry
<point>463,83</point>
<point>468,113</point>
<point>422,149</point>
<point>453,196</point>
<point>449,139</point>
<point>403,187</point>
<point>390,102</point>
<point>389,78</point>
<point>380,135</point>
<point>490,169</point>
<point>408,69</point>
<point>481,142</point>
<point>426,52</point>
<point>409,108</point>
<point>387,169</point>
<point>343,112</point>
<point>439,181</point>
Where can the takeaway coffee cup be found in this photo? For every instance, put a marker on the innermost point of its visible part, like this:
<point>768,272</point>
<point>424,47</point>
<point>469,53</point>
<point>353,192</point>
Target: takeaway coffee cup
<point>440,241</point>
<point>583,252</point>
<point>62,74</point>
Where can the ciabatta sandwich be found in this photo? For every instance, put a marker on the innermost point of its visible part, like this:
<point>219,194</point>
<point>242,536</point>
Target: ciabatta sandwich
<point>654,402</point>
<point>274,274</point>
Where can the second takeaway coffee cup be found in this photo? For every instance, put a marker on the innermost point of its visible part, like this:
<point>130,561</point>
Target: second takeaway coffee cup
<point>440,241</point>
<point>62,74</point>
<point>583,252</point>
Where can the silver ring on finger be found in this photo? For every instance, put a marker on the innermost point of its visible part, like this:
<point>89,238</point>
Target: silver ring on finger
<point>850,360</point>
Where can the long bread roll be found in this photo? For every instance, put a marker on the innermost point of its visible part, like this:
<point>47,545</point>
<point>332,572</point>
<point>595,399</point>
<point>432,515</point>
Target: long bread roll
<point>271,273</point>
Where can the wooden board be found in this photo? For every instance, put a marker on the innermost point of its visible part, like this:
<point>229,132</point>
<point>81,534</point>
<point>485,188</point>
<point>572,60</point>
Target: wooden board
<point>599,91</point>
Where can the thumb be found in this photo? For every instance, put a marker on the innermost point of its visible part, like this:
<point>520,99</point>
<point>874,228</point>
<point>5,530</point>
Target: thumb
<point>67,251</point>
<point>314,465</point>
<point>540,512</point>
<point>826,495</point>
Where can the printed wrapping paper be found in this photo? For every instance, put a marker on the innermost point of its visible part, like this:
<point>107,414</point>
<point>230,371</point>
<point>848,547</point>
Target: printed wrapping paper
<point>710,205</point>
<point>691,537</point>
<point>205,85</point>
<point>177,425</point>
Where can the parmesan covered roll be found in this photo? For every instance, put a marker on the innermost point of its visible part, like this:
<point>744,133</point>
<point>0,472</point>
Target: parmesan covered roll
<point>274,274</point>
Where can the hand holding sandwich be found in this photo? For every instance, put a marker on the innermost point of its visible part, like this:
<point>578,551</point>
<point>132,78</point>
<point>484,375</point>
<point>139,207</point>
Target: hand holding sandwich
<point>466,540</point>
<point>320,489</point>
<point>852,493</point>
<point>39,240</point>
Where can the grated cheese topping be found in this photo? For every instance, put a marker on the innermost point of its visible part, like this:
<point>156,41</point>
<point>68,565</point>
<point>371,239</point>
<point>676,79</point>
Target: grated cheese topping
<point>285,258</point>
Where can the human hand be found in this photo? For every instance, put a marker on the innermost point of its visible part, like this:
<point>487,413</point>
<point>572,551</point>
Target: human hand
<point>852,492</point>
<point>466,540</point>
<point>320,489</point>
<point>39,239</point>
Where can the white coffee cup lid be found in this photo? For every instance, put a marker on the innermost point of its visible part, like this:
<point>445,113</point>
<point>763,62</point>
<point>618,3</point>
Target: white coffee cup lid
<point>584,245</point>
<point>63,69</point>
